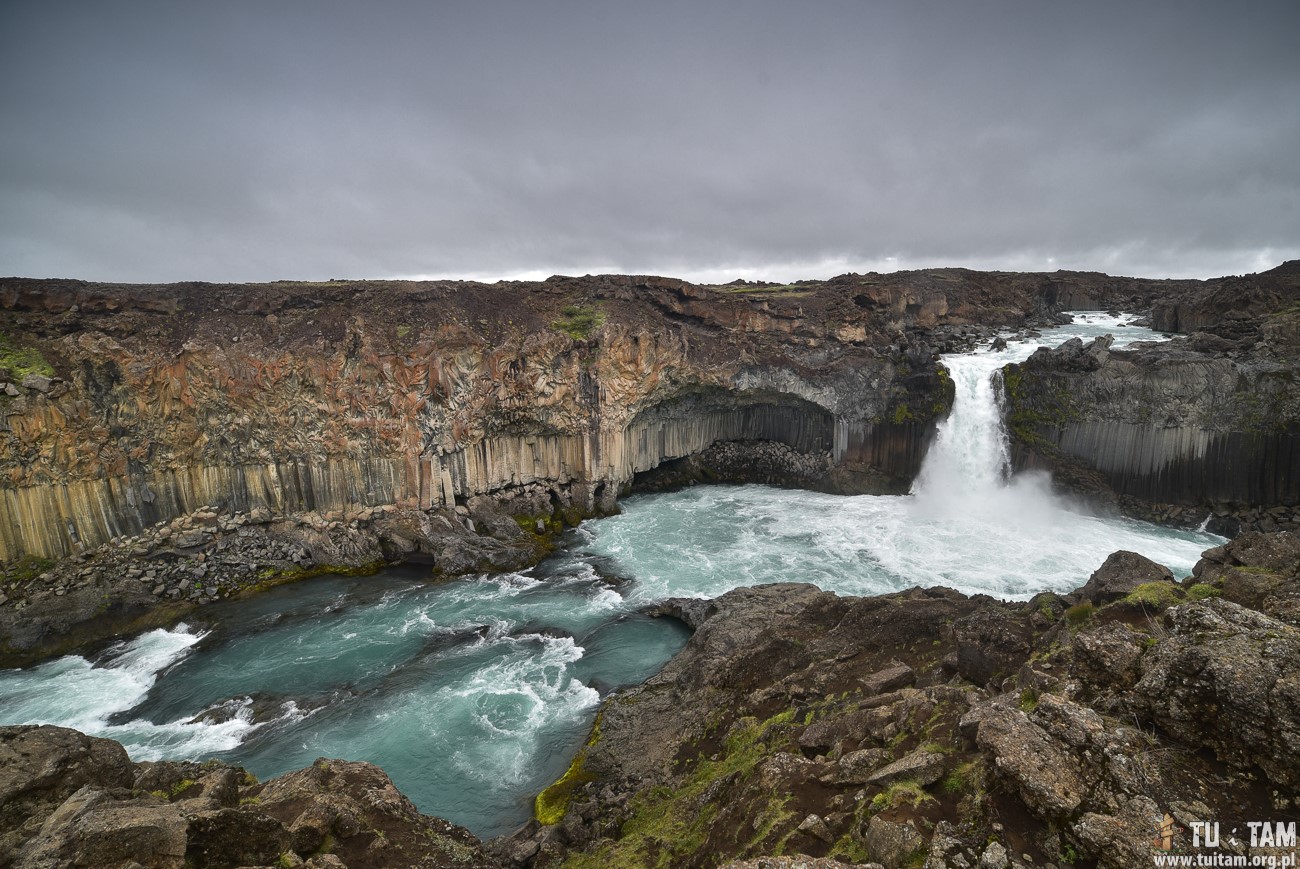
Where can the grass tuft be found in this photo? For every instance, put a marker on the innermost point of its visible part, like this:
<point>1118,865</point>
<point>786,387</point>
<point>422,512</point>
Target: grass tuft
<point>17,362</point>
<point>579,322</point>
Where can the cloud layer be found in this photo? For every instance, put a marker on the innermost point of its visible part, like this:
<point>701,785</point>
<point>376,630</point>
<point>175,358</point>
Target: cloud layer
<point>255,141</point>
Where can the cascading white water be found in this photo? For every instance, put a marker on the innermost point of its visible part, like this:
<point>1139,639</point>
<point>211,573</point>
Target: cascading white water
<point>970,452</point>
<point>969,462</point>
<point>474,694</point>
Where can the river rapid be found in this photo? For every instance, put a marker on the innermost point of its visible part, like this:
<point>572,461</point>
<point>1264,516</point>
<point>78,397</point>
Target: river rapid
<point>474,694</point>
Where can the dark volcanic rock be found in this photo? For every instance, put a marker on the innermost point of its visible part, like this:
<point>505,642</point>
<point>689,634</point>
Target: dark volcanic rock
<point>991,644</point>
<point>1170,431</point>
<point>826,725</point>
<point>41,767</point>
<point>67,799</point>
<point>1120,574</point>
<point>1228,679</point>
<point>1260,571</point>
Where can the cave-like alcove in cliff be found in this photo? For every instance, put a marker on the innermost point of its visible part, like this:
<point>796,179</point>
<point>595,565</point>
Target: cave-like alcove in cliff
<point>690,423</point>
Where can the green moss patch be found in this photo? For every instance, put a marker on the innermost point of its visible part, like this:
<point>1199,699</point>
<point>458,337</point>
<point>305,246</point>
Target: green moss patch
<point>17,362</point>
<point>1079,614</point>
<point>579,321</point>
<point>552,803</point>
<point>1154,596</point>
<point>903,793</point>
<point>27,568</point>
<point>795,290</point>
<point>666,825</point>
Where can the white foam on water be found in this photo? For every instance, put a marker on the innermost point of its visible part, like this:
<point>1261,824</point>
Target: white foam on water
<point>185,737</point>
<point>968,524</point>
<point>507,706</point>
<point>74,692</point>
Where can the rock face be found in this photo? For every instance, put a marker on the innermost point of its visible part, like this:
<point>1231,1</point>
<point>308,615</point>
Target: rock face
<point>1199,425</point>
<point>1120,575</point>
<point>1167,425</point>
<point>795,728</point>
<point>799,724</point>
<point>340,396</point>
<point>177,444</point>
<point>67,799</point>
<point>125,406</point>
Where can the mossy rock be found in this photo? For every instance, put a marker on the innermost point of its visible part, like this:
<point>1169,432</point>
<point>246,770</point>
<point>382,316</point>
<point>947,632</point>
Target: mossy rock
<point>17,361</point>
<point>552,803</point>
<point>579,322</point>
<point>1154,596</point>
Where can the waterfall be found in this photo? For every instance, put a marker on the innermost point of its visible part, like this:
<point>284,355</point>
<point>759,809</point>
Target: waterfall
<point>970,455</point>
<point>967,469</point>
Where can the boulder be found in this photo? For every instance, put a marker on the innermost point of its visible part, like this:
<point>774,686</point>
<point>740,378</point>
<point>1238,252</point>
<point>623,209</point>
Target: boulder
<point>41,767</point>
<point>893,844</point>
<point>991,644</point>
<point>1228,679</point>
<point>235,837</point>
<point>1108,656</point>
<point>92,828</point>
<point>1047,777</point>
<point>37,382</point>
<point>921,766</point>
<point>1120,574</point>
<point>857,767</point>
<point>896,675</point>
<point>1256,570</point>
<point>1122,839</point>
<point>67,799</point>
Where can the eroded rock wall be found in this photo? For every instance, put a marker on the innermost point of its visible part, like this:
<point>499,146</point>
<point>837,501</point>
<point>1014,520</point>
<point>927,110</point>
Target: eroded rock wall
<point>125,406</point>
<point>1166,424</point>
<point>929,728</point>
<point>157,401</point>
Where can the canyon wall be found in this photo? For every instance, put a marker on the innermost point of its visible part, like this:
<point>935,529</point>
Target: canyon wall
<point>125,406</point>
<point>1176,425</point>
<point>122,407</point>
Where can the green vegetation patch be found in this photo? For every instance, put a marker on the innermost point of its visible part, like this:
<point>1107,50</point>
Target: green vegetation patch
<point>963,779</point>
<point>1154,595</point>
<point>666,825</point>
<point>1044,409</point>
<point>18,362</point>
<point>902,793</point>
<point>552,803</point>
<point>1201,591</point>
<point>579,321</point>
<point>27,568</point>
<point>795,290</point>
<point>272,576</point>
<point>1079,614</point>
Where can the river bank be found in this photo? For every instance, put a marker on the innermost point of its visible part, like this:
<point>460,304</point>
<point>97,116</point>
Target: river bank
<point>921,727</point>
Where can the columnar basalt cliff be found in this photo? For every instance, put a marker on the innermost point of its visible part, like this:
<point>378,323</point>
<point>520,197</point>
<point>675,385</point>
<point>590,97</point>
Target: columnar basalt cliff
<point>124,406</point>
<point>1204,424</point>
<point>190,441</point>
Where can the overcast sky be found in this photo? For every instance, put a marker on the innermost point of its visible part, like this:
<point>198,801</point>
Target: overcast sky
<point>708,140</point>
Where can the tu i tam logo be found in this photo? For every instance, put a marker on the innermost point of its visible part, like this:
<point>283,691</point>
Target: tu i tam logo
<point>1271,844</point>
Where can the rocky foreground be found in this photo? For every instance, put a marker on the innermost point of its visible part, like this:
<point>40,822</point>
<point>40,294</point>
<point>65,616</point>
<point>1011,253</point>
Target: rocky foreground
<point>796,727</point>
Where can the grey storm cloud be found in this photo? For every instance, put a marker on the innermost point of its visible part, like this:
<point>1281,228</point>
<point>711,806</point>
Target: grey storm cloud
<point>254,141</point>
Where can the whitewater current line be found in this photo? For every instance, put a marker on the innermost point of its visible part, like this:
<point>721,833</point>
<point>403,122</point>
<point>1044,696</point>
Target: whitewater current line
<point>473,694</point>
